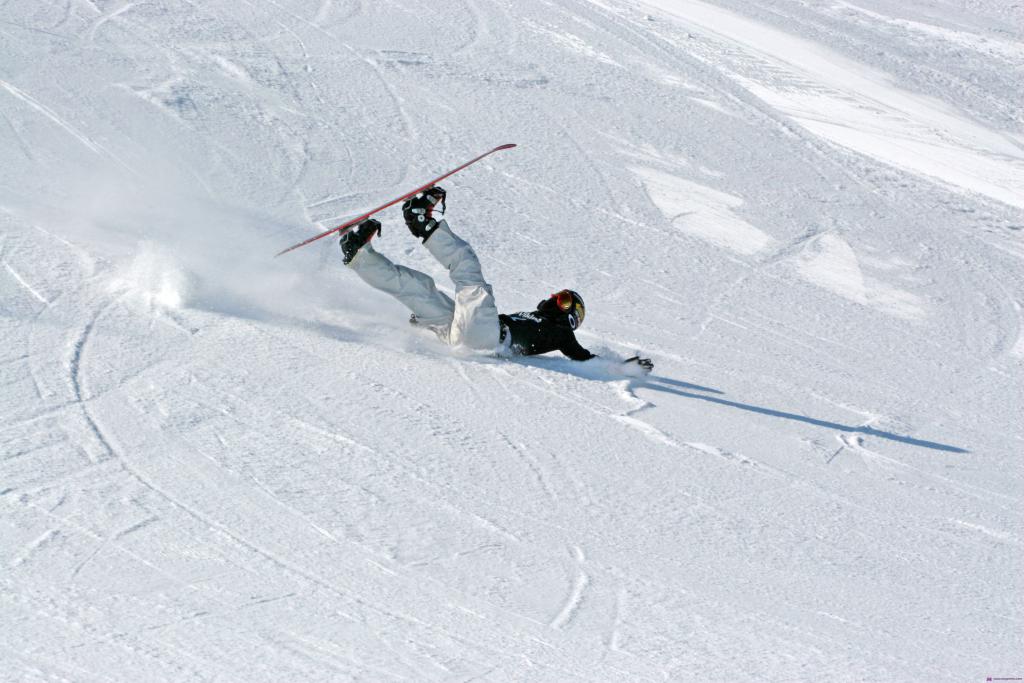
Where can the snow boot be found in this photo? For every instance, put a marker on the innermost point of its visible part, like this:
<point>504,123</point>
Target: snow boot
<point>418,212</point>
<point>353,239</point>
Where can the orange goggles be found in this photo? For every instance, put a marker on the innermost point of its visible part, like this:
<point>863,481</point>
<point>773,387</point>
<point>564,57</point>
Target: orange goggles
<point>567,302</point>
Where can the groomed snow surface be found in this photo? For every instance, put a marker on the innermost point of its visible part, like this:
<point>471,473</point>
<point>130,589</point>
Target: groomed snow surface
<point>222,466</point>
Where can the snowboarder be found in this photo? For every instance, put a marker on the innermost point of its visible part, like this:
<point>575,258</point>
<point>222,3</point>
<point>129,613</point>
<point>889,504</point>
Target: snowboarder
<point>472,319</point>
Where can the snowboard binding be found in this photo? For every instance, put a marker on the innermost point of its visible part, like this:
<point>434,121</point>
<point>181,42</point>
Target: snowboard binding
<point>418,212</point>
<point>353,239</point>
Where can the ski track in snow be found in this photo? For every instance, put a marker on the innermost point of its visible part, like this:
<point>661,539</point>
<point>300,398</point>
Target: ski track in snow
<point>220,465</point>
<point>24,283</point>
<point>575,597</point>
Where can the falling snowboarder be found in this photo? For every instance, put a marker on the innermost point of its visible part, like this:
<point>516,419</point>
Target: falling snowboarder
<point>472,319</point>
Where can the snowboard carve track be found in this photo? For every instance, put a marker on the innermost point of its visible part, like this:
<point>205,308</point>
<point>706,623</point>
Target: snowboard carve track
<point>533,464</point>
<point>76,373</point>
<point>22,145</point>
<point>303,572</point>
<point>613,641</point>
<point>272,557</point>
<point>107,16</point>
<point>24,283</point>
<point>77,376</point>
<point>855,443</point>
<point>52,116</point>
<point>575,597</point>
<point>88,142</point>
<point>128,641</point>
<point>37,545</point>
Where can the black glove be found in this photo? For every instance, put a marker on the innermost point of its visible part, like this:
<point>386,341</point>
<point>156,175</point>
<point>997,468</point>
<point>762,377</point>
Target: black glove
<point>646,363</point>
<point>418,212</point>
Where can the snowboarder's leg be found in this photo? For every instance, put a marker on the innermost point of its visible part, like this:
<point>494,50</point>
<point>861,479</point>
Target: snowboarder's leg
<point>475,321</point>
<point>416,290</point>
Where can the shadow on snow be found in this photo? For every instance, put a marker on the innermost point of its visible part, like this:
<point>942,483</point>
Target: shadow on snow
<point>686,390</point>
<point>669,386</point>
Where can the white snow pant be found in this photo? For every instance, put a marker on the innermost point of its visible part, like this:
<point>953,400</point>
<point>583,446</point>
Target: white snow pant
<point>471,320</point>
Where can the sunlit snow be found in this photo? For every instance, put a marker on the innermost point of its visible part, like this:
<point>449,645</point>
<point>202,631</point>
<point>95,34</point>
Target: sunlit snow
<point>220,465</point>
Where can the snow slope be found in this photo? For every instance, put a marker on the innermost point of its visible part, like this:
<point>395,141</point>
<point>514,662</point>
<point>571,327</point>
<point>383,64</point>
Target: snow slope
<point>217,465</point>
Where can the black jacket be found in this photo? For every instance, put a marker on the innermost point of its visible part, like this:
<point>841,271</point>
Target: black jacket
<point>541,331</point>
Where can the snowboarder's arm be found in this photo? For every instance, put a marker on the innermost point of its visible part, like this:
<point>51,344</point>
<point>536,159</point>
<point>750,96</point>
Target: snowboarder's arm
<point>571,348</point>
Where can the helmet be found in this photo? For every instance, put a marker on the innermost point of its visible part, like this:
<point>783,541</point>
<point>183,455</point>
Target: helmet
<point>570,303</point>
